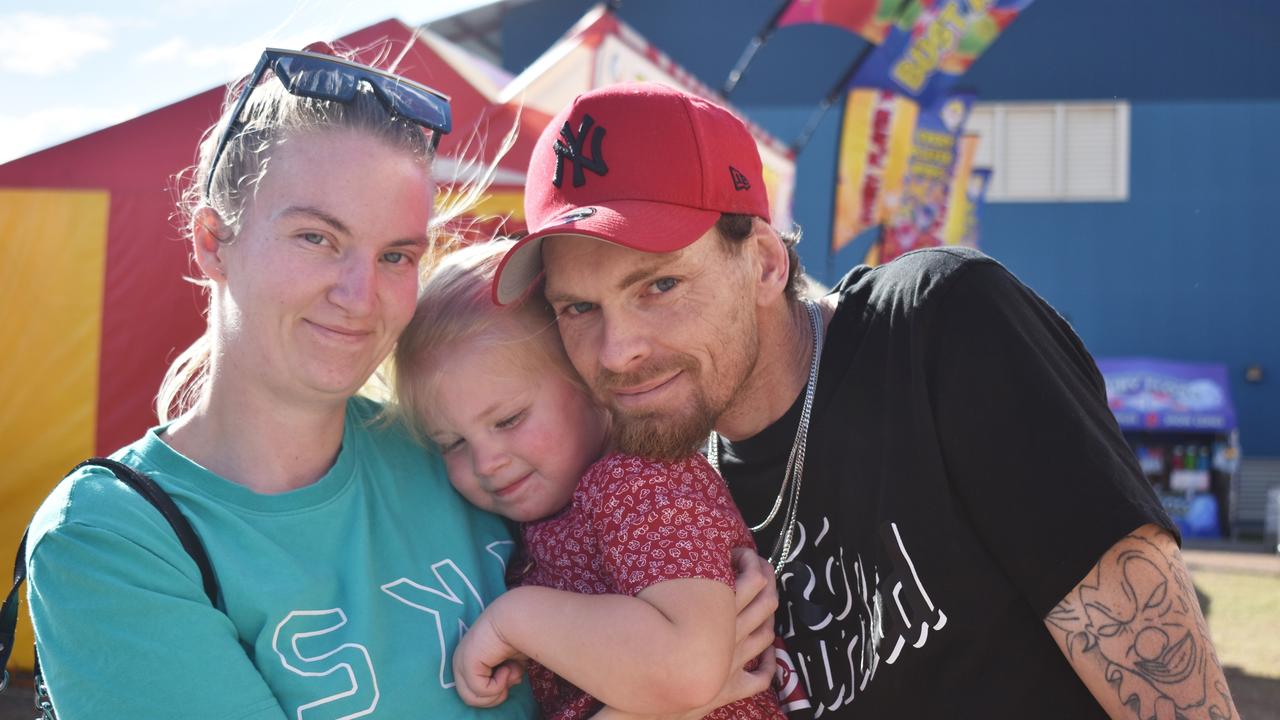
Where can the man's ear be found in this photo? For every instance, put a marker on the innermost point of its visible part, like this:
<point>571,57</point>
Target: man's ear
<point>208,238</point>
<point>773,262</point>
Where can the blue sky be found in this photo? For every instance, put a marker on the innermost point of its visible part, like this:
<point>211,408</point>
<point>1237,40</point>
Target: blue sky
<point>70,67</point>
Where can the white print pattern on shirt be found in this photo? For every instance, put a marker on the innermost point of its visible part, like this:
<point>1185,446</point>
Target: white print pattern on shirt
<point>353,702</point>
<point>491,548</point>
<point>832,673</point>
<point>447,600</point>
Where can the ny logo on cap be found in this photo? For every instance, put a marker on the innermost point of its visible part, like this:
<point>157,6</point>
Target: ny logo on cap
<point>573,152</point>
<point>740,181</point>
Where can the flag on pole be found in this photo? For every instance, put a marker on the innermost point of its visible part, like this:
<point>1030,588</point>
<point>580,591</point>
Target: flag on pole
<point>916,219</point>
<point>870,19</point>
<point>875,142</point>
<point>953,226</point>
<point>975,197</point>
<point>933,43</point>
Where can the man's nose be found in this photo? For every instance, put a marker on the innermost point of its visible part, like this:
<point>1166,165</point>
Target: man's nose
<point>624,342</point>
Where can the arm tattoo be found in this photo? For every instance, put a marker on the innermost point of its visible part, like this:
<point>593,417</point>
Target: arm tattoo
<point>1137,618</point>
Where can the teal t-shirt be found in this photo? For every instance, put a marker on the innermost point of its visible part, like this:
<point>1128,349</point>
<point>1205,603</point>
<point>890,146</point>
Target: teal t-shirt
<point>342,599</point>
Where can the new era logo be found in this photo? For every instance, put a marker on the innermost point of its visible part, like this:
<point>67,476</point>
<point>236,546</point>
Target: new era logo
<point>571,150</point>
<point>740,181</point>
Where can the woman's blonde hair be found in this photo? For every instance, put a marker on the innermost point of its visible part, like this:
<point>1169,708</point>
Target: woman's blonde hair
<point>271,116</point>
<point>455,308</point>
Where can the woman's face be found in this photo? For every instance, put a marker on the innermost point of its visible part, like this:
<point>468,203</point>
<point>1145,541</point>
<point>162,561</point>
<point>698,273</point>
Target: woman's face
<point>515,441</point>
<point>323,275</point>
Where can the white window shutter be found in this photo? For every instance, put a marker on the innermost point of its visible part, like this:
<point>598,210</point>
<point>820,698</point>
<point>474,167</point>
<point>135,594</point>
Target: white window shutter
<point>1092,145</point>
<point>1028,152</point>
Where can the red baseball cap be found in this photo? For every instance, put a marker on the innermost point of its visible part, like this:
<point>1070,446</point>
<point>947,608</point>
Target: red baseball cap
<point>641,165</point>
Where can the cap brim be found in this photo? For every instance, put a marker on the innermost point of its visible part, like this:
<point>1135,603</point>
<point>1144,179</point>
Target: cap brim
<point>642,225</point>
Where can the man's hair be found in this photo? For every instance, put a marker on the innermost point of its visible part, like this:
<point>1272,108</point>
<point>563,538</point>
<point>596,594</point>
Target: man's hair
<point>736,228</point>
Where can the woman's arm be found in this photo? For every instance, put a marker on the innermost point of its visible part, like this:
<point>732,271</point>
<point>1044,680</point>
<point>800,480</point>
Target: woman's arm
<point>667,650</point>
<point>125,630</point>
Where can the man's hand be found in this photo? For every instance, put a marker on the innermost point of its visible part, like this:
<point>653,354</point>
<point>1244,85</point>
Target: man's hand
<point>1133,632</point>
<point>485,666</point>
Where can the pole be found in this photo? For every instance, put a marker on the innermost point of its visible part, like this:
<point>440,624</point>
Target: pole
<point>752,48</point>
<point>841,85</point>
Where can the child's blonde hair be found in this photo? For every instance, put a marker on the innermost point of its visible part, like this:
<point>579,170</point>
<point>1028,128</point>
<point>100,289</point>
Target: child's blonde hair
<point>455,307</point>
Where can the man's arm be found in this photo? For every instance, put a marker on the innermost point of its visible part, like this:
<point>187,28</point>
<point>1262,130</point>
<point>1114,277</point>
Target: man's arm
<point>1133,632</point>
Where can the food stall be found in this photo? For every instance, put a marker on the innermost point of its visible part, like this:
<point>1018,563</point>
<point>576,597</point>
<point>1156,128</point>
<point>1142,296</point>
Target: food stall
<point>1180,422</point>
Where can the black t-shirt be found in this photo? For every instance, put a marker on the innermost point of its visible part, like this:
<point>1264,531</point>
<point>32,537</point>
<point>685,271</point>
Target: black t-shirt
<point>962,474</point>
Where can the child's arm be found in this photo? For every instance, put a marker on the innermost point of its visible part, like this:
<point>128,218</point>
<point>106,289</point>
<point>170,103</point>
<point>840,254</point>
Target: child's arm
<point>667,650</point>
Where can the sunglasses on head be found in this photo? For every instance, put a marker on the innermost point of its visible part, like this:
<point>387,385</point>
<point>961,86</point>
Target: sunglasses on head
<point>326,77</point>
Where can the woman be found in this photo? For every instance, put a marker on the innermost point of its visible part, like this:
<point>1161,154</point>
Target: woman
<point>348,566</point>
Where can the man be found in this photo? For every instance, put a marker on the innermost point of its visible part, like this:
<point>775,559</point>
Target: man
<point>958,525</point>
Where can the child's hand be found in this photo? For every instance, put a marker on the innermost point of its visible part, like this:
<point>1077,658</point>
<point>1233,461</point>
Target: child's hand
<point>485,667</point>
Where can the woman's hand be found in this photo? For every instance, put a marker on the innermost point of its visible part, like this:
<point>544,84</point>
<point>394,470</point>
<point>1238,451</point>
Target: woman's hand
<point>485,666</point>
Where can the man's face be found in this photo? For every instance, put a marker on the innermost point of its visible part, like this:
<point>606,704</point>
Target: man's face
<point>664,340</point>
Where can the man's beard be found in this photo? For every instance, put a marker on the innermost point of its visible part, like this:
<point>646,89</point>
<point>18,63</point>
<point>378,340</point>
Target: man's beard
<point>669,435</point>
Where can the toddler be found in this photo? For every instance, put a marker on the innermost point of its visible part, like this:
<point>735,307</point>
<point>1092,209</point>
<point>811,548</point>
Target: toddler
<point>624,588</point>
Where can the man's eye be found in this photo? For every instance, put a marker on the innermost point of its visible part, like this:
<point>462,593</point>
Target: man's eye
<point>664,284</point>
<point>578,308</point>
<point>396,258</point>
<point>313,238</point>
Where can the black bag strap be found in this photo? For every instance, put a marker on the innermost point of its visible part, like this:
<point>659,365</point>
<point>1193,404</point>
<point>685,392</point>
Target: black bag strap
<point>147,488</point>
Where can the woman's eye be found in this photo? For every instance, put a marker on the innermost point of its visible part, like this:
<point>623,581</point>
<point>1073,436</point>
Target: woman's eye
<point>664,284</point>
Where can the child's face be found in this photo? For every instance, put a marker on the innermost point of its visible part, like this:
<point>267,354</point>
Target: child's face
<point>515,440</point>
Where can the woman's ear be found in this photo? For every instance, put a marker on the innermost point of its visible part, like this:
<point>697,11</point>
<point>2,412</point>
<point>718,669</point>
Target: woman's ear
<point>208,238</point>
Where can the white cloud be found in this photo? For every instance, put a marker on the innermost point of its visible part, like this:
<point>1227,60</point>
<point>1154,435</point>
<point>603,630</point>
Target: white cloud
<point>44,45</point>
<point>231,60</point>
<point>24,134</point>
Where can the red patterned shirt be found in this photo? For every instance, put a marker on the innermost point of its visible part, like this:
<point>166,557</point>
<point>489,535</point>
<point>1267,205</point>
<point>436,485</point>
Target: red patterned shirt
<point>634,522</point>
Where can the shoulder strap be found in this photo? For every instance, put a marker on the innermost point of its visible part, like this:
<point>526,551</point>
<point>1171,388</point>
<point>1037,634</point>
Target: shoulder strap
<point>147,488</point>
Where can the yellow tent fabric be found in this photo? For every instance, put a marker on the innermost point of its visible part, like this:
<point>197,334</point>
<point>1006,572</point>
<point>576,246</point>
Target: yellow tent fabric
<point>52,260</point>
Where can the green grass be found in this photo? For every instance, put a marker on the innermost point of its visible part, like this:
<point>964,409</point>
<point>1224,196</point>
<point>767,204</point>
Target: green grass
<point>1244,619</point>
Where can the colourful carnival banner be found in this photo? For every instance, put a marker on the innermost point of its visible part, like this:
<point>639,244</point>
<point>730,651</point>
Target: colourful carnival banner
<point>915,220</point>
<point>955,209</point>
<point>970,211</point>
<point>875,143</point>
<point>1152,394</point>
<point>870,19</point>
<point>933,43</point>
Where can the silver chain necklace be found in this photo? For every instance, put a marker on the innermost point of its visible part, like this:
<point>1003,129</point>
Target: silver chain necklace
<point>794,471</point>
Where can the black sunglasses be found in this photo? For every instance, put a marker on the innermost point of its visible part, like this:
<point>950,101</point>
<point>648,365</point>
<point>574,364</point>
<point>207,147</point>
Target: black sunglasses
<point>325,77</point>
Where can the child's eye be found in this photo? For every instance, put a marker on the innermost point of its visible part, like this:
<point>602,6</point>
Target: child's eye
<point>450,446</point>
<point>509,422</point>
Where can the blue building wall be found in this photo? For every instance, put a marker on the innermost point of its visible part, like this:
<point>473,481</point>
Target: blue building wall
<point>1182,269</point>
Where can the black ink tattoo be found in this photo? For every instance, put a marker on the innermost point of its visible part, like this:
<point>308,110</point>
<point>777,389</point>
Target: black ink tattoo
<point>1136,615</point>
